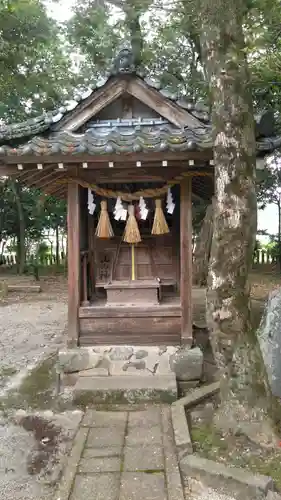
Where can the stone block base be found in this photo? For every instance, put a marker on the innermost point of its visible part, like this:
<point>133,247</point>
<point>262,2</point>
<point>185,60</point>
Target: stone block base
<point>125,390</point>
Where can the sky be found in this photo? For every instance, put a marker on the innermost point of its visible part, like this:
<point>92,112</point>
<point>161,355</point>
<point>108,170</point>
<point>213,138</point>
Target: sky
<point>267,218</point>
<point>60,11</point>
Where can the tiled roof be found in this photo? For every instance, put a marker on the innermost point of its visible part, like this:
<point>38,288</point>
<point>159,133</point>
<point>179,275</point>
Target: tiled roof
<point>116,139</point>
<point>125,136</point>
<point>115,136</point>
<point>45,122</point>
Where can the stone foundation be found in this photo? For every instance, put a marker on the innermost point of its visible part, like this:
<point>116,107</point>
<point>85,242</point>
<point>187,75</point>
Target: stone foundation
<point>187,364</point>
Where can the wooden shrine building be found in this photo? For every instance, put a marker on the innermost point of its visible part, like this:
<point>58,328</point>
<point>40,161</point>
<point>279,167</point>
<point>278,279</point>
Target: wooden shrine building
<point>130,158</point>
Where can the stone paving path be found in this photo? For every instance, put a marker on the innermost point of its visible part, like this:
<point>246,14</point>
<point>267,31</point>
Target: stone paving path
<point>123,455</point>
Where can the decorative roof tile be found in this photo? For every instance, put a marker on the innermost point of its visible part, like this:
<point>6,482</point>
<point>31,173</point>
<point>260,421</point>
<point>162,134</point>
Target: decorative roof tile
<point>115,140</point>
<point>125,137</point>
<point>30,129</point>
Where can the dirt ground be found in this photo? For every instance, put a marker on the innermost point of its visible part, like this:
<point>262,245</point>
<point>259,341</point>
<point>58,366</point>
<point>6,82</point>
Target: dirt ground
<point>32,326</point>
<point>34,436</point>
<point>263,283</point>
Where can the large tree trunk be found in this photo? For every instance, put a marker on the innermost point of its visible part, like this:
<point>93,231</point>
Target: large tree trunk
<point>223,49</point>
<point>203,248</point>
<point>21,228</point>
<point>279,235</point>
<point>57,246</point>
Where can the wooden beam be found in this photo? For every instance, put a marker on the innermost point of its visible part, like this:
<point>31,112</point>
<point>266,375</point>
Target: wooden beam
<point>7,170</point>
<point>186,260</point>
<point>46,180</point>
<point>33,175</point>
<point>73,256</point>
<point>105,159</point>
<point>162,105</point>
<point>91,106</point>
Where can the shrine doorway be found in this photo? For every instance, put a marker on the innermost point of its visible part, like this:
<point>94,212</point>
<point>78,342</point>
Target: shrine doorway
<point>131,290</point>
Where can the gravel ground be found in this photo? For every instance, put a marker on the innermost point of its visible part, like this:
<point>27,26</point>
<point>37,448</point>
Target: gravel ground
<point>197,491</point>
<point>33,450</point>
<point>29,331</point>
<point>33,444</point>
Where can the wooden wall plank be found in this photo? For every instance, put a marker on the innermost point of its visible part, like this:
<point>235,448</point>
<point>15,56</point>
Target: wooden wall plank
<point>140,340</point>
<point>73,228</point>
<point>126,328</point>
<point>130,312</point>
<point>186,260</point>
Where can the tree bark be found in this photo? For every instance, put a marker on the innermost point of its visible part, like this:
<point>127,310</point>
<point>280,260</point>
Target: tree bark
<point>279,234</point>
<point>21,228</point>
<point>57,246</point>
<point>235,217</point>
<point>203,248</point>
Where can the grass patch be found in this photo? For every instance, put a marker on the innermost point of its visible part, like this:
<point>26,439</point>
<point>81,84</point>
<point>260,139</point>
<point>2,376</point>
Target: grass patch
<point>152,471</point>
<point>237,450</point>
<point>7,371</point>
<point>36,390</point>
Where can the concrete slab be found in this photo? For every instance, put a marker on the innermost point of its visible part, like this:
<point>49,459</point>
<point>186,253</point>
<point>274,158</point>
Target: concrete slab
<point>150,458</point>
<point>173,478</point>
<point>181,429</point>
<point>97,487</point>
<point>142,486</point>
<point>105,437</point>
<point>197,395</point>
<point>94,372</point>
<point>100,464</point>
<point>242,484</point>
<point>144,436</point>
<point>69,472</point>
<point>147,418</point>
<point>108,451</point>
<point>94,418</point>
<point>123,390</point>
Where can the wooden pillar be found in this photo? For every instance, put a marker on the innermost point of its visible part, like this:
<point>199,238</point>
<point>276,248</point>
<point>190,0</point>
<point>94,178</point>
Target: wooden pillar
<point>73,230</point>
<point>186,260</point>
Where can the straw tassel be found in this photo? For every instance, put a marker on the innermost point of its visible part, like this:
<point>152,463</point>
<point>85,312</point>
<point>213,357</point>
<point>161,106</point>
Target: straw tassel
<point>160,225</point>
<point>104,229</point>
<point>132,233</point>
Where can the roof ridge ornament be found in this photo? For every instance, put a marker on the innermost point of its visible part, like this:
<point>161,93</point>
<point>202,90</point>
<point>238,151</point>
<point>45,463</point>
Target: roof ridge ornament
<point>124,62</point>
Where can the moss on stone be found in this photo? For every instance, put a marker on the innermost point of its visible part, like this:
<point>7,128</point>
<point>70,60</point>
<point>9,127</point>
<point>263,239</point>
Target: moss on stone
<point>236,450</point>
<point>36,390</point>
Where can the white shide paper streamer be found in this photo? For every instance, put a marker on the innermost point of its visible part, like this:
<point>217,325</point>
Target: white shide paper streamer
<point>170,202</point>
<point>120,213</point>
<point>143,209</point>
<point>91,204</point>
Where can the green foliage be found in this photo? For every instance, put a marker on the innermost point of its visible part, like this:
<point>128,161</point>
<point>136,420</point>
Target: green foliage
<point>170,42</point>
<point>37,216</point>
<point>92,32</point>
<point>34,69</point>
<point>268,186</point>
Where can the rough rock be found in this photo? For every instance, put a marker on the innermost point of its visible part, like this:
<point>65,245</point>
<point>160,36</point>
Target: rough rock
<point>163,366</point>
<point>187,363</point>
<point>138,365</point>
<point>269,336</point>
<point>185,386</point>
<point>152,361</point>
<point>141,353</point>
<point>121,353</point>
<point>76,360</point>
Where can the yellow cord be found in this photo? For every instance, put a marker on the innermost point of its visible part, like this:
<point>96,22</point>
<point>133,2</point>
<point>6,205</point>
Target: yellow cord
<point>133,263</point>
